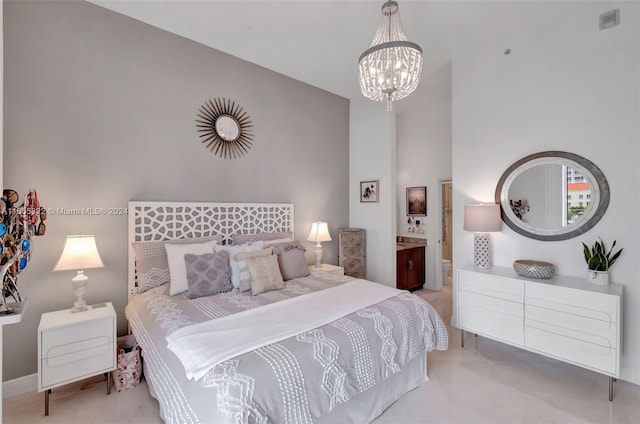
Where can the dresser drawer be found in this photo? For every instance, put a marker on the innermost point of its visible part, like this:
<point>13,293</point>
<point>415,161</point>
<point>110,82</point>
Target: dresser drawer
<point>592,305</point>
<point>497,318</point>
<point>573,322</point>
<point>488,285</point>
<point>589,355</point>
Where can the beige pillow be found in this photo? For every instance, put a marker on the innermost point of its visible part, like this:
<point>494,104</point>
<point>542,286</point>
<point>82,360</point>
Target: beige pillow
<point>265,274</point>
<point>243,269</point>
<point>233,251</point>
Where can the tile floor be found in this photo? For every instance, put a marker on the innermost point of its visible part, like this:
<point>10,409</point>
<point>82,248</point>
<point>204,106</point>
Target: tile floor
<point>486,382</point>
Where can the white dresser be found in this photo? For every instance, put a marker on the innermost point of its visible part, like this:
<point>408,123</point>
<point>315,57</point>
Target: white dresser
<point>564,317</point>
<point>74,346</point>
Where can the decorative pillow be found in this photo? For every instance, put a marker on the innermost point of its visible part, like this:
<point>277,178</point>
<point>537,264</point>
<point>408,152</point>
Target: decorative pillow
<point>245,238</point>
<point>293,263</point>
<point>152,268</point>
<point>175,257</point>
<point>233,251</point>
<point>243,268</point>
<point>265,274</point>
<point>207,274</point>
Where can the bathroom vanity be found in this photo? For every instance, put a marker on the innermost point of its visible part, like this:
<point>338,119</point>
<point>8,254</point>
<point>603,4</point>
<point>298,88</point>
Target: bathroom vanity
<point>410,265</point>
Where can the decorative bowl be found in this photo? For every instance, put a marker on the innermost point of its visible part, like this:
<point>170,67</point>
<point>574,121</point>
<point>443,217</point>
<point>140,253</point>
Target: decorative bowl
<point>534,269</point>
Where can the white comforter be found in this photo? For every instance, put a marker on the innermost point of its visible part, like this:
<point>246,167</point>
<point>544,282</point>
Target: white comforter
<point>202,346</point>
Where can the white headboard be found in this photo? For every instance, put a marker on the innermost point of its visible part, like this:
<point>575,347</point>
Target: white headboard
<point>155,221</point>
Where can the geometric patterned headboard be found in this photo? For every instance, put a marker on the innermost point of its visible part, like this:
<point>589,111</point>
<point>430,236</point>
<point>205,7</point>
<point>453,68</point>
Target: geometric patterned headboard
<point>155,221</point>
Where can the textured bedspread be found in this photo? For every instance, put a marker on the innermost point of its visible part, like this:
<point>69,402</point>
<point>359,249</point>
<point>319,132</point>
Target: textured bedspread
<point>297,380</point>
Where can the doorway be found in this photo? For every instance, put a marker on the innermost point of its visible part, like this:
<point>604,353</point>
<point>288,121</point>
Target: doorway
<point>447,230</point>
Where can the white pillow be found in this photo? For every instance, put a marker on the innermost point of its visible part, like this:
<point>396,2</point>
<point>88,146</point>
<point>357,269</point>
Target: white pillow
<point>177,268</point>
<point>233,251</point>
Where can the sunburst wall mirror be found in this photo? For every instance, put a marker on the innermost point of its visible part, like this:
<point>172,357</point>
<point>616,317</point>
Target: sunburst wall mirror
<point>225,128</point>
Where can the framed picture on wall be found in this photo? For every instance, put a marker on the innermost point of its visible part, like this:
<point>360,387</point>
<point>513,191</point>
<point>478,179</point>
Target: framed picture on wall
<point>368,191</point>
<point>417,201</point>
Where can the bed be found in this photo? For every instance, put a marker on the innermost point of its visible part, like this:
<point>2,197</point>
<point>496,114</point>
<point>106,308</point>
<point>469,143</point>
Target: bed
<point>347,369</point>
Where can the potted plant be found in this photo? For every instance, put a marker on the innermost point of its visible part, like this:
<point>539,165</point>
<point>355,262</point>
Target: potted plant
<point>599,260</point>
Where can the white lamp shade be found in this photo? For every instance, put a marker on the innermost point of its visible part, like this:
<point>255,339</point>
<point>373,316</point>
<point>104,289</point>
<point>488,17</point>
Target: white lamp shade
<point>319,232</point>
<point>482,217</point>
<point>80,252</point>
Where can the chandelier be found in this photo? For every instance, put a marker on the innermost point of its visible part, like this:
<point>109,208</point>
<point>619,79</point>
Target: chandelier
<point>390,68</point>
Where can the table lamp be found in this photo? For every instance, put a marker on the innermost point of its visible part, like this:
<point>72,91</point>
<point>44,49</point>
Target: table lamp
<point>482,218</point>
<point>319,233</point>
<point>79,253</point>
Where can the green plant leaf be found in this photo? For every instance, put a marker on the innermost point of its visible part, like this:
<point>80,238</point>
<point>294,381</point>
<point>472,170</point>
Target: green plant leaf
<point>587,253</point>
<point>615,256</point>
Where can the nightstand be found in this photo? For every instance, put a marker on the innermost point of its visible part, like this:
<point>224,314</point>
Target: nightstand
<point>332,269</point>
<point>75,346</point>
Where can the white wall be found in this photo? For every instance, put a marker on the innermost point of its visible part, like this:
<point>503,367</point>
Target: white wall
<point>573,88</point>
<point>101,109</point>
<point>424,157</point>
<point>372,156</point>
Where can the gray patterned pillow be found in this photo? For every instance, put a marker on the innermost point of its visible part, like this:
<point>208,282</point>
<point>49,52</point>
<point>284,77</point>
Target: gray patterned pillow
<point>152,268</point>
<point>265,274</point>
<point>207,274</point>
<point>293,263</point>
<point>246,238</point>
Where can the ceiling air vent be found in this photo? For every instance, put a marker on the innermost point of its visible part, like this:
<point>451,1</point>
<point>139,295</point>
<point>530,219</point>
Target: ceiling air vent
<point>609,19</point>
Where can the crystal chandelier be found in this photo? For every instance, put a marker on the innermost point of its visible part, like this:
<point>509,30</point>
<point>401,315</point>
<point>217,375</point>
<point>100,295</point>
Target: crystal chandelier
<point>390,69</point>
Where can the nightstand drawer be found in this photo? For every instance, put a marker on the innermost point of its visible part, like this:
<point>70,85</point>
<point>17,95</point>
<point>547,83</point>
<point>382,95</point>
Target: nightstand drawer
<point>68,339</point>
<point>73,346</point>
<point>56,370</point>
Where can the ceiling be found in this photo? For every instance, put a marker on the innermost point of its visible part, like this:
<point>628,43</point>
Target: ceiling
<point>319,41</point>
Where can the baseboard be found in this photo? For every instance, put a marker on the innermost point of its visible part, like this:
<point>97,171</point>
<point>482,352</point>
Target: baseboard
<point>630,374</point>
<point>20,385</point>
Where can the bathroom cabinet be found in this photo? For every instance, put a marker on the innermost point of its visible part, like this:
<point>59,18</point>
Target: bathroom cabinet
<point>410,268</point>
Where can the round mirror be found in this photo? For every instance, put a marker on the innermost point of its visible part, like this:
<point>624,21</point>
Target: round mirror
<point>227,128</point>
<point>552,195</point>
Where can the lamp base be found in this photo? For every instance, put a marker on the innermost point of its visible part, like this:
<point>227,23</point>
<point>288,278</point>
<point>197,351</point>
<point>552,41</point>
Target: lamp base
<point>481,251</point>
<point>79,306</point>
<point>318,264</point>
<point>79,283</point>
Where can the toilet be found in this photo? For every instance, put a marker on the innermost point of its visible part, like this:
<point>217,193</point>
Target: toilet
<point>446,266</point>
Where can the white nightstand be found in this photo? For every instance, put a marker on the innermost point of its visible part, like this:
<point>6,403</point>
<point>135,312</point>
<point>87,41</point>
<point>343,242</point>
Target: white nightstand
<point>74,346</point>
<point>333,269</point>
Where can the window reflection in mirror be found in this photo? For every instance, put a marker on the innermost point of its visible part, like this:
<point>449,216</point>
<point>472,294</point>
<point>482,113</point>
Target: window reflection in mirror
<point>577,195</point>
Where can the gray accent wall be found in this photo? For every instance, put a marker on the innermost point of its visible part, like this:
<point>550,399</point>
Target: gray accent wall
<point>100,109</point>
